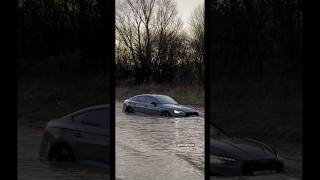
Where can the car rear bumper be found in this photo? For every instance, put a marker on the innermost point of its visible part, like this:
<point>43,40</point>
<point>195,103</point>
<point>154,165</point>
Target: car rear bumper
<point>44,149</point>
<point>124,107</point>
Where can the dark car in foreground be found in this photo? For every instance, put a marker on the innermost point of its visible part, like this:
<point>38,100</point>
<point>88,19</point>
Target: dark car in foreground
<point>159,105</point>
<point>241,157</point>
<point>79,136</point>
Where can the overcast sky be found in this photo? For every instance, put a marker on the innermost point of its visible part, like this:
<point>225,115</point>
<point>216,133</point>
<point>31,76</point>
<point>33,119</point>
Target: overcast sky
<point>185,8</point>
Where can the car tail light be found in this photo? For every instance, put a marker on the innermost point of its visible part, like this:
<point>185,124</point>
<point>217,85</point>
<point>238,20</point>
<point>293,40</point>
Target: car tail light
<point>44,132</point>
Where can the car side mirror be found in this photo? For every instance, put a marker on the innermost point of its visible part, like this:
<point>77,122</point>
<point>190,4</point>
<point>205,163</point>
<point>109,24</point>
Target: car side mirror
<point>154,103</point>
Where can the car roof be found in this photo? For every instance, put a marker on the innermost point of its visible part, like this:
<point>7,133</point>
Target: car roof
<point>105,106</point>
<point>152,95</point>
<point>91,108</point>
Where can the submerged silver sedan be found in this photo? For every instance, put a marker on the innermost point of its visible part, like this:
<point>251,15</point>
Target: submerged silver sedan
<point>80,136</point>
<point>160,105</point>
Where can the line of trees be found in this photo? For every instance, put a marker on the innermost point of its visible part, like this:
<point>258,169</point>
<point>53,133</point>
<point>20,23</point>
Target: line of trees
<point>74,33</point>
<point>255,54</point>
<point>258,39</point>
<point>152,45</point>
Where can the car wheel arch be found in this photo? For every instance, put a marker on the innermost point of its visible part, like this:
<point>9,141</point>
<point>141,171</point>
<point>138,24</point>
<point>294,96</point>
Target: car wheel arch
<point>58,143</point>
<point>165,111</point>
<point>127,109</point>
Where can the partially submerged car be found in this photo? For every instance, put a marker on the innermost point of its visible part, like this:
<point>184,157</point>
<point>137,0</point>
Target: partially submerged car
<point>159,105</point>
<point>238,157</point>
<point>79,136</point>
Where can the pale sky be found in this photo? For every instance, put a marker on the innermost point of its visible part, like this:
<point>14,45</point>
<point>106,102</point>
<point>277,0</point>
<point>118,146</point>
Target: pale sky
<point>185,8</point>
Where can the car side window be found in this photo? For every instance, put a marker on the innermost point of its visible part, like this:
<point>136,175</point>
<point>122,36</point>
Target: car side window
<point>97,118</point>
<point>149,100</point>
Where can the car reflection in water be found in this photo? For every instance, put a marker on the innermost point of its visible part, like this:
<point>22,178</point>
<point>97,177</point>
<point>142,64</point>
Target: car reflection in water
<point>80,136</point>
<point>237,157</point>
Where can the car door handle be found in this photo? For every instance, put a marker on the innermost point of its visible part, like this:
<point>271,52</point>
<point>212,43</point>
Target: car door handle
<point>78,134</point>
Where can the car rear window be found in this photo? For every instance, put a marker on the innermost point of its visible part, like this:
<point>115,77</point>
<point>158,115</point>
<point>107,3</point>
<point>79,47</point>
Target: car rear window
<point>97,118</point>
<point>139,98</point>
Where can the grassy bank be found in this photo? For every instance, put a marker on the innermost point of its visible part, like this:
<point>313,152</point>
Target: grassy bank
<point>267,111</point>
<point>43,99</point>
<point>270,111</point>
<point>190,95</point>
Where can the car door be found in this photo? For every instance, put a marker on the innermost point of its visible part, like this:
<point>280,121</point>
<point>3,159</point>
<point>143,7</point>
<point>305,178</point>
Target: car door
<point>151,108</point>
<point>91,139</point>
<point>138,104</point>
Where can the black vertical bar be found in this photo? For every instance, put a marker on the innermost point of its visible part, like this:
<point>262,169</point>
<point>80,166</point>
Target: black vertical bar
<point>112,97</point>
<point>112,89</point>
<point>107,10</point>
<point>207,89</point>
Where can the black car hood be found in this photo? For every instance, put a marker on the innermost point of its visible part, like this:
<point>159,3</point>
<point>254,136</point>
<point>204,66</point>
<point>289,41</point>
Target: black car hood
<point>178,107</point>
<point>241,149</point>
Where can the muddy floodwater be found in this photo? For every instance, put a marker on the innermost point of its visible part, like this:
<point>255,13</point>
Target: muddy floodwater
<point>31,168</point>
<point>146,148</point>
<point>158,148</point>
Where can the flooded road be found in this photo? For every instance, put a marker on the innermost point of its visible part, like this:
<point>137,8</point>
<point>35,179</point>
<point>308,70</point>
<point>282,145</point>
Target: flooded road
<point>31,168</point>
<point>159,148</point>
<point>147,148</point>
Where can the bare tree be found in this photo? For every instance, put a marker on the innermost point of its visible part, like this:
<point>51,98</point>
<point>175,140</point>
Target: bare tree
<point>151,31</point>
<point>133,25</point>
<point>167,42</point>
<point>197,40</point>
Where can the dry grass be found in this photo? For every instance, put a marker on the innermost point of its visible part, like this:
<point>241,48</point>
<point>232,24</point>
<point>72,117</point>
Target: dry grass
<point>270,111</point>
<point>42,99</point>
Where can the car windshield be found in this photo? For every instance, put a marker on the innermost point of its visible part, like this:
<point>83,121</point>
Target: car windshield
<point>216,133</point>
<point>166,100</point>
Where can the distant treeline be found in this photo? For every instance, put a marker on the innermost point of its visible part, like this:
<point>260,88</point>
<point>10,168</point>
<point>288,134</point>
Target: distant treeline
<point>255,54</point>
<point>64,36</point>
<point>151,44</point>
<point>258,39</point>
